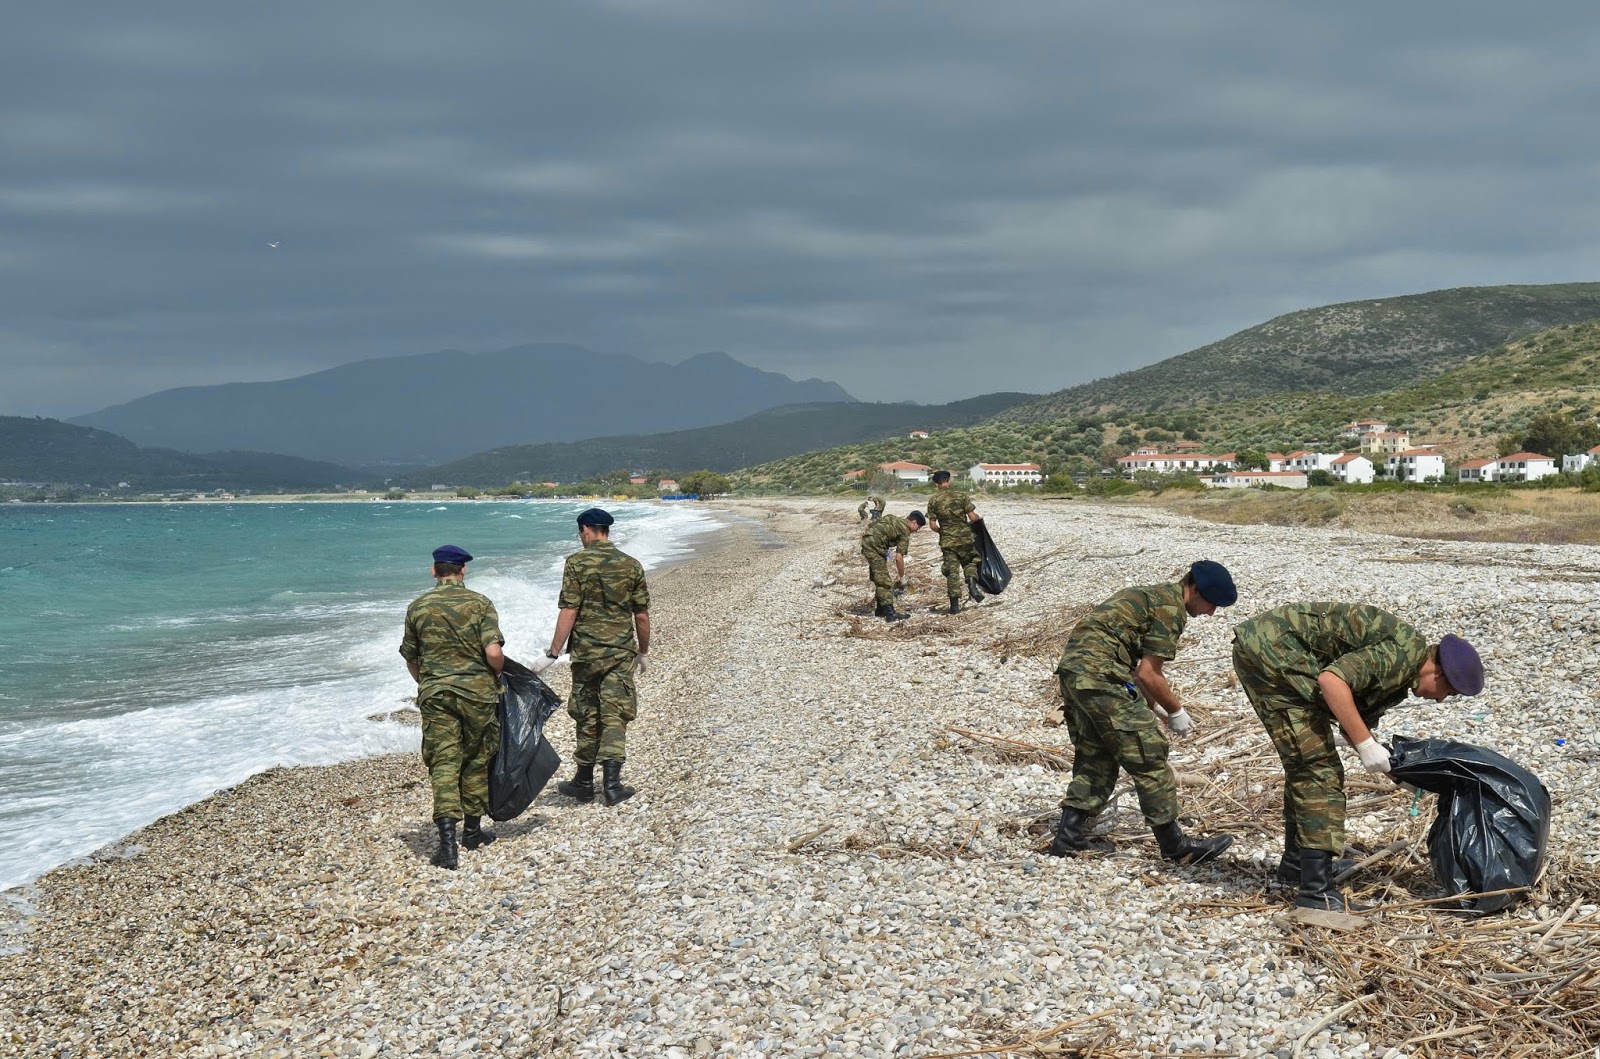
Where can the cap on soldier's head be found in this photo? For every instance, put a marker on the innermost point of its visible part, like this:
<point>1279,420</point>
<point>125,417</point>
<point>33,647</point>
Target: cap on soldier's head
<point>1461,665</point>
<point>595,517</point>
<point>449,553</point>
<point>940,477</point>
<point>1214,583</point>
<point>918,517</point>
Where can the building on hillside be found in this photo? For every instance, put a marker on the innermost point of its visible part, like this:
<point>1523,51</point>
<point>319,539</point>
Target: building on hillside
<point>1005,474</point>
<point>1416,465</point>
<point>906,472</point>
<point>1474,472</point>
<point>666,485</point>
<point>1386,442</point>
<point>1524,467</point>
<point>1581,461</point>
<point>1352,469</point>
<point>853,476</point>
<point>1187,446</point>
<point>919,433</point>
<point>1307,461</point>
<point>1174,462</point>
<point>1361,428</point>
<point>638,479</point>
<point>1277,461</point>
<point>1256,479</point>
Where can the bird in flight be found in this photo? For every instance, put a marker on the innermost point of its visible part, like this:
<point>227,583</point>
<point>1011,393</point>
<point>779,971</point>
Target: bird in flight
<point>275,245</point>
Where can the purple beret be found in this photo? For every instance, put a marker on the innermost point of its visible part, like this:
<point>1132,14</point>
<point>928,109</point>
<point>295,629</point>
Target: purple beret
<point>1461,664</point>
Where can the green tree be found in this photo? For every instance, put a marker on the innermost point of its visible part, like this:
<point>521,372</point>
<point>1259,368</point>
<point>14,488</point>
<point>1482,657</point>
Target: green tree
<point>468,492</point>
<point>1252,460</point>
<point>704,483</point>
<point>1551,434</point>
<point>395,494</point>
<point>1321,477</point>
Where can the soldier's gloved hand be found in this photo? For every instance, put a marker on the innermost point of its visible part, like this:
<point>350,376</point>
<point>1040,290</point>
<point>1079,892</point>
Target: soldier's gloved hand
<point>1374,756</point>
<point>1181,723</point>
<point>542,663</point>
<point>642,664</point>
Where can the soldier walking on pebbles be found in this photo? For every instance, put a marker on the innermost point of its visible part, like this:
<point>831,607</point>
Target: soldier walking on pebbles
<point>1113,721</point>
<point>1307,665</point>
<point>454,650</point>
<point>878,504</point>
<point>951,515</point>
<point>889,533</point>
<point>605,615</point>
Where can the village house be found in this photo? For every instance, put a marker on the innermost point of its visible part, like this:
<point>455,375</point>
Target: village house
<point>1276,461</point>
<point>1386,442</point>
<point>1416,465</point>
<point>853,476</point>
<point>906,472</point>
<point>1147,459</point>
<point>919,433</point>
<point>1256,479</point>
<point>666,485</point>
<point>638,479</point>
<point>1578,462</point>
<point>1308,461</point>
<point>1362,428</point>
<point>1005,474</point>
<point>1524,467</point>
<point>1351,469</point>
<point>1476,471</point>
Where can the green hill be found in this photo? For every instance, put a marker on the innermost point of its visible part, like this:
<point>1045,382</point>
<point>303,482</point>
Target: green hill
<point>48,450</point>
<point>764,436</point>
<point>1362,347</point>
<point>1464,410</point>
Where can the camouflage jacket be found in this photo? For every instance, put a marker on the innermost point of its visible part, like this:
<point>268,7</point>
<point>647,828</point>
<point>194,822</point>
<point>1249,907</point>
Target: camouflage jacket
<point>1109,641</point>
<point>607,588</point>
<point>447,628</point>
<point>1373,651</point>
<point>890,531</point>
<point>877,503</point>
<point>949,508</point>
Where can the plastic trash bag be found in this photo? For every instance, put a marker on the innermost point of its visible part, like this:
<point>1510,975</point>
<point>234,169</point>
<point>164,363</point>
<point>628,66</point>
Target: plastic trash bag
<point>1494,817</point>
<point>526,760</point>
<point>993,573</point>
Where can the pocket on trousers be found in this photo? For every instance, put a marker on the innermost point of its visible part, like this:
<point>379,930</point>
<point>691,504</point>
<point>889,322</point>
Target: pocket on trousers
<point>1139,733</point>
<point>1309,743</point>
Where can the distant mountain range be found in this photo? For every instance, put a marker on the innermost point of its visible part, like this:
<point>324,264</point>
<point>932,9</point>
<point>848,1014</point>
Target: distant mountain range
<point>421,410</point>
<point>48,450</point>
<point>768,435</point>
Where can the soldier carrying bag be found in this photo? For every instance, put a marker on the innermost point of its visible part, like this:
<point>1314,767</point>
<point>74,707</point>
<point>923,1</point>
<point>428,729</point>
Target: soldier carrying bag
<point>526,760</point>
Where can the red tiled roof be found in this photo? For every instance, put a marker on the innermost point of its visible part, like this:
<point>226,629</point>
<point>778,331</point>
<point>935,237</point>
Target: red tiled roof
<point>1348,457</point>
<point>902,465</point>
<point>1009,466</point>
<point>1471,464</point>
<point>1526,456</point>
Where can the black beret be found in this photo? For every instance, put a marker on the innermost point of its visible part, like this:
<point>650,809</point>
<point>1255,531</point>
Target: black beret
<point>595,517</point>
<point>1214,583</point>
<point>449,553</point>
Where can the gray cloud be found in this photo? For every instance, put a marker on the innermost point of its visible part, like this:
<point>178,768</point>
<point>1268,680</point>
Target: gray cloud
<point>918,200</point>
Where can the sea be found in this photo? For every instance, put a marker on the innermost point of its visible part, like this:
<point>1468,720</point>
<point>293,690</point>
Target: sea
<point>153,654</point>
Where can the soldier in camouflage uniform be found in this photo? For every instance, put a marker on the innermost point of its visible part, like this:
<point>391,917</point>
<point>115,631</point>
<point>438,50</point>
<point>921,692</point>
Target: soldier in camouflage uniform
<point>1114,690</point>
<point>605,617</point>
<point>889,533</point>
<point>1306,666</point>
<point>951,515</point>
<point>877,503</point>
<point>454,650</point>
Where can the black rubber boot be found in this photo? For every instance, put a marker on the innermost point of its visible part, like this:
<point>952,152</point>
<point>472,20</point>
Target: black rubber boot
<point>955,604</point>
<point>973,590</point>
<point>888,613</point>
<point>1176,846</point>
<point>1289,866</point>
<point>447,855</point>
<point>1316,884</point>
<point>615,790</point>
<point>1072,835</point>
<point>581,785</point>
<point>473,835</point>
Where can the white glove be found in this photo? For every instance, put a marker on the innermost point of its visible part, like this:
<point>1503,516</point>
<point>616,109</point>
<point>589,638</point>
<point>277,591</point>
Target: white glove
<point>642,665</point>
<point>1374,758</point>
<point>542,663</point>
<point>1180,722</point>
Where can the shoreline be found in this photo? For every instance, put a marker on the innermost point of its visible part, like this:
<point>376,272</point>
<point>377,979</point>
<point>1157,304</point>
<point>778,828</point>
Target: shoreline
<point>814,859</point>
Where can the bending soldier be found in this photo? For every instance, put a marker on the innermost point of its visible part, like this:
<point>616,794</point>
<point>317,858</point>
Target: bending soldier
<point>1113,720</point>
<point>454,650</point>
<point>877,503</point>
<point>951,515</point>
<point>889,534</point>
<point>1307,665</point>
<point>605,615</point>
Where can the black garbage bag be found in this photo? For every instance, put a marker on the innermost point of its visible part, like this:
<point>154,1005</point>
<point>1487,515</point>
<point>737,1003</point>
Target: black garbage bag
<point>1494,817</point>
<point>526,760</point>
<point>993,573</point>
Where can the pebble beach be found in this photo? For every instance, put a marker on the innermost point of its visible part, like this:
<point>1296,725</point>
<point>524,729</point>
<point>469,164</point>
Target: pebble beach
<point>834,848</point>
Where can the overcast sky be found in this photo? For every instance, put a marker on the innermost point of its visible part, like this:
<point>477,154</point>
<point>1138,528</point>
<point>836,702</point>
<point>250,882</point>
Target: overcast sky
<point>917,200</point>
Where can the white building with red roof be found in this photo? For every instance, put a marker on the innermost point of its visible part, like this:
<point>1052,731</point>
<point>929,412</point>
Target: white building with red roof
<point>1475,471</point>
<point>1005,474</point>
<point>1580,461</point>
<point>1351,469</point>
<point>1416,465</point>
<point>907,472</point>
<point>1362,427</point>
<point>1524,467</point>
<point>1256,479</point>
<point>1174,462</point>
<point>1308,461</point>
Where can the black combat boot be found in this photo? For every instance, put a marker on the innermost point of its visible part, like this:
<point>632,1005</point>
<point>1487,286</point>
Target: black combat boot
<point>615,790</point>
<point>580,786</point>
<point>1316,884</point>
<point>1177,846</point>
<point>888,613</point>
<point>1289,864</point>
<point>973,590</point>
<point>447,855</point>
<point>1072,835</point>
<point>955,604</point>
<point>473,835</point>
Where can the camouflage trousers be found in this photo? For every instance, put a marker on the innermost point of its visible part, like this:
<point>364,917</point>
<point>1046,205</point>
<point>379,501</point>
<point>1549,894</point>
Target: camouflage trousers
<point>1114,729</point>
<point>602,702</point>
<point>960,563</point>
<point>878,571</point>
<point>1313,775</point>
<point>459,738</point>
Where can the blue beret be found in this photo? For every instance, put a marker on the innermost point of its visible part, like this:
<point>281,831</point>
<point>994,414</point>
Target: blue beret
<point>451,554</point>
<point>595,517</point>
<point>1214,583</point>
<point>1461,664</point>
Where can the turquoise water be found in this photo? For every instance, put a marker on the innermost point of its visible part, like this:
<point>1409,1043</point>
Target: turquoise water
<point>151,655</point>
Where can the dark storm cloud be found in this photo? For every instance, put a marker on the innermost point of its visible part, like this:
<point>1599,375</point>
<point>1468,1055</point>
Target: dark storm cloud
<point>919,201</point>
